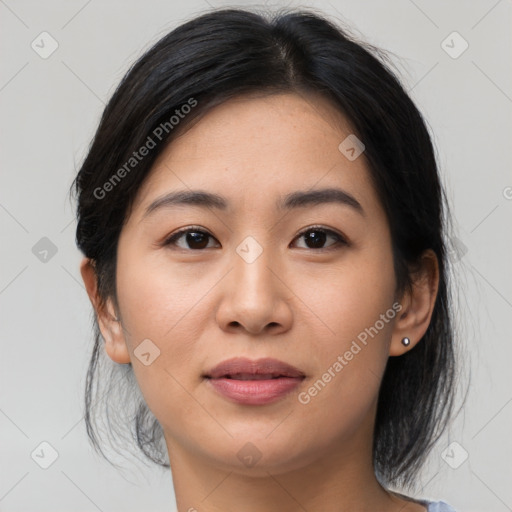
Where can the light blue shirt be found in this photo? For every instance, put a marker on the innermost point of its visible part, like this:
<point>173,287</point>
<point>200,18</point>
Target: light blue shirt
<point>438,506</point>
<point>432,506</point>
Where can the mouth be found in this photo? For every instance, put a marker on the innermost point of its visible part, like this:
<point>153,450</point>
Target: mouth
<point>240,368</point>
<point>252,376</point>
<point>249,382</point>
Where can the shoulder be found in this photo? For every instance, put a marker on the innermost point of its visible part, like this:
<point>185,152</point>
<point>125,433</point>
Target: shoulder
<point>439,506</point>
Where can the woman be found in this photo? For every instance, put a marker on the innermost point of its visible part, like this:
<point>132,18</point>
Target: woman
<point>262,223</point>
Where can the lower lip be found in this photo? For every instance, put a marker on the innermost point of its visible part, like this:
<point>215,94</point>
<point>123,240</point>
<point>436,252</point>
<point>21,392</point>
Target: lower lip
<point>255,392</point>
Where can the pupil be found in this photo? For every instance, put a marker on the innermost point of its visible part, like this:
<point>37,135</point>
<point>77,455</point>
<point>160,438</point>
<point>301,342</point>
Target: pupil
<point>317,238</point>
<point>195,238</point>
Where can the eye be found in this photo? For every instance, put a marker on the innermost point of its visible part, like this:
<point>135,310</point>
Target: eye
<point>196,239</point>
<point>316,236</point>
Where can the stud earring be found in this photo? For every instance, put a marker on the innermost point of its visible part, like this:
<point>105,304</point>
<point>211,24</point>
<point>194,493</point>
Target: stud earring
<point>406,342</point>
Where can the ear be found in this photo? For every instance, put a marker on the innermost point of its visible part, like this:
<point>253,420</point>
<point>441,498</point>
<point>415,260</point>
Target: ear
<point>110,327</point>
<point>417,305</point>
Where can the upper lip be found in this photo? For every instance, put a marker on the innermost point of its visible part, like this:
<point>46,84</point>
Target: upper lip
<point>242,365</point>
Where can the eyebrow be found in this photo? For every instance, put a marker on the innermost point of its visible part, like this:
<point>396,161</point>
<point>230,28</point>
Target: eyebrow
<point>298,199</point>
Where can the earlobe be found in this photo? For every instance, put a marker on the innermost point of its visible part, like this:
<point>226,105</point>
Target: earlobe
<point>113,334</point>
<point>110,326</point>
<point>417,306</point>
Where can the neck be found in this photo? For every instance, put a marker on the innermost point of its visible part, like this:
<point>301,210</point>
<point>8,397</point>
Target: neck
<point>341,478</point>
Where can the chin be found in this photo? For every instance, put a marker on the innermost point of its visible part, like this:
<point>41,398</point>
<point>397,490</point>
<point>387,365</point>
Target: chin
<point>258,455</point>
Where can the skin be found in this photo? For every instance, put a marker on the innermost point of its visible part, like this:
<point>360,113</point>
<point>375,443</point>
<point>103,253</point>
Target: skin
<point>297,303</point>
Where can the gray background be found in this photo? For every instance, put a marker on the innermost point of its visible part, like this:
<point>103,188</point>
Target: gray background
<point>49,110</point>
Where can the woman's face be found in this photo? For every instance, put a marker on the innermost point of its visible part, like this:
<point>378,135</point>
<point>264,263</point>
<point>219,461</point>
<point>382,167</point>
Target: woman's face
<point>262,281</point>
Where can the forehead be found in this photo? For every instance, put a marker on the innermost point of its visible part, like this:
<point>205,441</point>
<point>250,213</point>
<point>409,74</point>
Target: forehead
<point>253,147</point>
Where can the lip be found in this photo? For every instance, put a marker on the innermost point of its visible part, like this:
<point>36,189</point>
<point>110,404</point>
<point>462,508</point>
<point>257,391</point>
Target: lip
<point>254,382</point>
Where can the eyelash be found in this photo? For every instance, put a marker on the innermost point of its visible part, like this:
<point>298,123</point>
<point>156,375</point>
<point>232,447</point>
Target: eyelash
<point>340,240</point>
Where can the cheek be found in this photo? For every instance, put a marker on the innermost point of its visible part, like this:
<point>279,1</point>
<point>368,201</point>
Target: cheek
<point>354,318</point>
<point>169,308</point>
<point>349,297</point>
<point>159,299</point>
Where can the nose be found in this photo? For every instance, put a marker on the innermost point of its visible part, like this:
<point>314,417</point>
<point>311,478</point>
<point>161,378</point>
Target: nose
<point>255,297</point>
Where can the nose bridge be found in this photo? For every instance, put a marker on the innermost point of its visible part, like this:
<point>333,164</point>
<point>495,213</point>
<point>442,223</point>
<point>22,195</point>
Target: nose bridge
<point>253,297</point>
<point>251,260</point>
